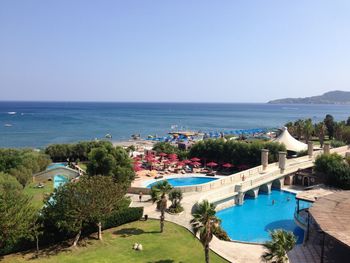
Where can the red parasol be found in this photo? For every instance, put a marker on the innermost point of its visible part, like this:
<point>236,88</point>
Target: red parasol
<point>162,154</point>
<point>180,164</point>
<point>167,162</point>
<point>212,164</point>
<point>195,159</point>
<point>172,156</point>
<point>186,161</point>
<point>227,165</point>
<point>196,163</point>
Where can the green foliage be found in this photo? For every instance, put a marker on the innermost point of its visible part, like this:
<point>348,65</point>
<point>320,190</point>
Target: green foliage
<point>175,196</point>
<point>159,190</point>
<point>122,217</point>
<point>111,161</point>
<point>22,164</point>
<point>220,233</point>
<point>73,152</point>
<point>167,148</point>
<point>235,152</point>
<point>335,143</point>
<point>282,242</point>
<point>17,216</point>
<point>205,222</point>
<point>329,122</point>
<point>335,170</point>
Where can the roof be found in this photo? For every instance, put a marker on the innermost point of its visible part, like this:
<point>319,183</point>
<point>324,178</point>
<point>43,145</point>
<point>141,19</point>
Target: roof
<point>290,142</point>
<point>315,193</point>
<point>332,214</point>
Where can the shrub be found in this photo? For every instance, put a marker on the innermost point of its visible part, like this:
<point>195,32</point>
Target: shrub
<point>221,234</point>
<point>302,153</point>
<point>122,217</point>
<point>176,210</point>
<point>335,143</point>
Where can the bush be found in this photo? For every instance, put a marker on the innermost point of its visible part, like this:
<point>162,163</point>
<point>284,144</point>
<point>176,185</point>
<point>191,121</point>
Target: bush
<point>302,153</point>
<point>221,234</point>
<point>167,148</point>
<point>122,217</point>
<point>336,144</point>
<point>235,152</point>
<point>334,169</point>
<point>175,210</point>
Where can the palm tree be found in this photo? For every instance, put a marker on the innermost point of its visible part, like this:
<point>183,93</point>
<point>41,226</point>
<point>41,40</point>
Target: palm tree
<point>158,194</point>
<point>205,222</point>
<point>282,242</point>
<point>308,129</point>
<point>320,130</point>
<point>299,125</point>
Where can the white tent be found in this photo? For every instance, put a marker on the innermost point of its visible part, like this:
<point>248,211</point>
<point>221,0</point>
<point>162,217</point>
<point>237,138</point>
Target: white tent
<point>290,142</point>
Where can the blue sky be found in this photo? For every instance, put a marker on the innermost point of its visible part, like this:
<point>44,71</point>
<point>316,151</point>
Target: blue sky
<point>191,51</point>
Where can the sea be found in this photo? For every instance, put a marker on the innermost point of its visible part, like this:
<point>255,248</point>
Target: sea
<point>38,124</point>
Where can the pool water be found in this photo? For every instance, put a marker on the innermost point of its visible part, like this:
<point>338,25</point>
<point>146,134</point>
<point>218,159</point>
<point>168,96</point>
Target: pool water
<point>252,221</point>
<point>59,180</point>
<point>55,165</point>
<point>185,181</point>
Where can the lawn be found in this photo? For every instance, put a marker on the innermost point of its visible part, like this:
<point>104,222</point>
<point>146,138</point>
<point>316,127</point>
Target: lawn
<point>38,193</point>
<point>175,244</point>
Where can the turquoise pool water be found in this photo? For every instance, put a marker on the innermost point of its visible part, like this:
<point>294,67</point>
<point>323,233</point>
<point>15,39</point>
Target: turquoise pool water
<point>186,181</point>
<point>55,165</point>
<point>252,221</point>
<point>59,180</point>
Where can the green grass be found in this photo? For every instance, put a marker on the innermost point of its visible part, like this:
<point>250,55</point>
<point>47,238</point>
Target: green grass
<point>176,244</point>
<point>38,194</point>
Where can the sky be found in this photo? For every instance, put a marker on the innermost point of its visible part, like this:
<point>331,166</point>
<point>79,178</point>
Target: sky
<point>173,51</point>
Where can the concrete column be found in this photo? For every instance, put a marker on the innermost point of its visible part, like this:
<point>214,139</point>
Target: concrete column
<point>264,158</point>
<point>266,188</point>
<point>326,148</point>
<point>240,198</point>
<point>282,156</point>
<point>310,148</point>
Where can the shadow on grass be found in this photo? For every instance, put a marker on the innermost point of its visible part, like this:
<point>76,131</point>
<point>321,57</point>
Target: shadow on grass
<point>163,261</point>
<point>127,232</point>
<point>51,250</point>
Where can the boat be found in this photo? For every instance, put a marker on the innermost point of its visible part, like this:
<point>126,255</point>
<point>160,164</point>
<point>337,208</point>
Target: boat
<point>108,136</point>
<point>12,112</point>
<point>8,125</point>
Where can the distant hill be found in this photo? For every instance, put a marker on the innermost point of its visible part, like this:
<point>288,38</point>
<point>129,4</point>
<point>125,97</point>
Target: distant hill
<point>331,97</point>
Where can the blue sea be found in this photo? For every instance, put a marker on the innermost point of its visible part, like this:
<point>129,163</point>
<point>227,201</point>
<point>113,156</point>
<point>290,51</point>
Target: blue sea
<point>37,124</point>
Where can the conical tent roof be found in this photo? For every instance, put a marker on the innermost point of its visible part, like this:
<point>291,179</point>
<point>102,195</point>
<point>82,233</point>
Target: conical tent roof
<point>290,142</point>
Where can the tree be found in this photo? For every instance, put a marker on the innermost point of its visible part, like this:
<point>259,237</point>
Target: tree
<point>329,122</point>
<point>68,208</point>
<point>106,197</point>
<point>16,212</point>
<point>282,242</point>
<point>307,129</point>
<point>299,126</point>
<point>175,196</point>
<point>158,195</point>
<point>101,162</point>
<point>338,130</point>
<point>320,130</point>
<point>205,222</point>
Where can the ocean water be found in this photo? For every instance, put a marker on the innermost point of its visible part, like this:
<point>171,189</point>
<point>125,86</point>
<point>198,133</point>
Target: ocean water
<point>37,124</point>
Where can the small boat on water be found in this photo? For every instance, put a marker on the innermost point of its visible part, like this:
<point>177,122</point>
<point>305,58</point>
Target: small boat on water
<point>11,112</point>
<point>108,136</point>
<point>8,125</point>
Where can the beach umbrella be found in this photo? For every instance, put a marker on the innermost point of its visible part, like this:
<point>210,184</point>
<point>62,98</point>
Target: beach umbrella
<point>172,156</point>
<point>162,154</point>
<point>227,165</point>
<point>195,159</point>
<point>196,163</point>
<point>167,162</point>
<point>186,161</point>
<point>212,164</point>
<point>180,164</point>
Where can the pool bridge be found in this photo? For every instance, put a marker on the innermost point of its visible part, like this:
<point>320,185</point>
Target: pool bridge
<point>263,177</point>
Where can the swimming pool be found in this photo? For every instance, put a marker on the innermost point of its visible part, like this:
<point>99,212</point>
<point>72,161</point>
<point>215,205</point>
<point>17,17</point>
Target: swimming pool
<point>252,221</point>
<point>59,180</point>
<point>185,181</point>
<point>55,165</point>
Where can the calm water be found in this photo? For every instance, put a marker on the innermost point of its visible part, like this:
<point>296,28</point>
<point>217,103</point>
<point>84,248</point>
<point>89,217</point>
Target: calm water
<point>37,124</point>
<point>252,221</point>
<point>186,181</point>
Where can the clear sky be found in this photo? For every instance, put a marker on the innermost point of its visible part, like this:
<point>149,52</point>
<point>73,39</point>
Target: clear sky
<point>205,50</point>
